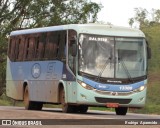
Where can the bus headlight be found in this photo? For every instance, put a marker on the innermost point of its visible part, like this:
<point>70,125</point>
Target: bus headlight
<point>139,89</point>
<point>84,85</point>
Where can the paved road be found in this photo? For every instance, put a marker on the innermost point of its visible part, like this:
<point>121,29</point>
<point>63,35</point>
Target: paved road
<point>91,117</point>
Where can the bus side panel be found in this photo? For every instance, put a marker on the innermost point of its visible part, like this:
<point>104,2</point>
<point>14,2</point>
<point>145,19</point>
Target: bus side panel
<point>44,91</point>
<point>69,83</point>
<point>14,88</point>
<point>42,78</point>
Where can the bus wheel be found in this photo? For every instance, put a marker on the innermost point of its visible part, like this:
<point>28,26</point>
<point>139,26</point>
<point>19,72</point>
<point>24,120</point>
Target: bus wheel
<point>121,110</point>
<point>30,105</point>
<point>27,103</point>
<point>36,105</point>
<point>66,108</point>
<point>82,109</point>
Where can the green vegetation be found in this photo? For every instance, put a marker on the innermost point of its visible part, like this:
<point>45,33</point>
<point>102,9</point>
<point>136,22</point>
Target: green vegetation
<point>5,101</point>
<point>151,28</point>
<point>152,32</point>
<point>153,36</point>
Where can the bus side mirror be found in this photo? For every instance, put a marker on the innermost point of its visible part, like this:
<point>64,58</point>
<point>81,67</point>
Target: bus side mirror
<point>74,48</point>
<point>149,53</point>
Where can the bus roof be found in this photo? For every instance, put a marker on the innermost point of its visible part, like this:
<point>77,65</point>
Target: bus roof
<point>100,29</point>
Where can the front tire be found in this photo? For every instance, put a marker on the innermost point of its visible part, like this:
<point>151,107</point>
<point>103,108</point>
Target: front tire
<point>66,108</point>
<point>121,110</point>
<point>82,109</point>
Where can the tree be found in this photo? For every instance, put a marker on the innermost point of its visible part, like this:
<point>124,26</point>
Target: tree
<point>151,29</point>
<point>141,17</point>
<point>38,13</point>
<point>131,21</point>
<point>20,14</point>
<point>157,15</point>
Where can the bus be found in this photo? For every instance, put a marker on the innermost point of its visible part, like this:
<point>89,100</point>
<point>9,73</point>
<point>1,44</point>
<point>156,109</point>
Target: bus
<point>78,66</point>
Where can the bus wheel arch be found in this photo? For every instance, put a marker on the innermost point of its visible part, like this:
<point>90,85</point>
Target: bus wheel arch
<point>25,84</point>
<point>30,105</point>
<point>26,99</point>
<point>66,108</point>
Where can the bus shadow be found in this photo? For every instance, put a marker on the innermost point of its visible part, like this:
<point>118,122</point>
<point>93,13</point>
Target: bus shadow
<point>90,112</point>
<point>51,110</point>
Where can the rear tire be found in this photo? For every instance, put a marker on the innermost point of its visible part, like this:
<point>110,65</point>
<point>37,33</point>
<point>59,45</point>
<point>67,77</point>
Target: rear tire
<point>31,105</point>
<point>121,110</point>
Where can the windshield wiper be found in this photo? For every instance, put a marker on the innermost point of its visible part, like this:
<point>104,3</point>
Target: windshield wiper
<point>103,68</point>
<point>126,70</point>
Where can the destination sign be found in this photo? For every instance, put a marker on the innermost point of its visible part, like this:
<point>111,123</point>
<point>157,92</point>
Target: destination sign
<point>98,39</point>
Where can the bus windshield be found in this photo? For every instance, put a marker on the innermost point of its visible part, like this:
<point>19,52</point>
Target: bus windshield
<point>112,57</point>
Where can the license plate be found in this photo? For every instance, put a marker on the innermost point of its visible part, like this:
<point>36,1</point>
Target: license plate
<point>112,105</point>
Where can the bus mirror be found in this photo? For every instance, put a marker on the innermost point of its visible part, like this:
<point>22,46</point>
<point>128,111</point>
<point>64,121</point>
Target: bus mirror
<point>149,53</point>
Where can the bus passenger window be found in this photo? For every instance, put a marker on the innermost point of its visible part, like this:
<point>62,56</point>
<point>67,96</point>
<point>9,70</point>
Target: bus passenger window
<point>51,46</point>
<point>61,45</point>
<point>41,47</point>
<point>36,47</point>
<point>47,47</point>
<point>53,50</point>
<point>30,48</point>
<point>12,49</point>
<point>20,49</point>
<point>17,48</point>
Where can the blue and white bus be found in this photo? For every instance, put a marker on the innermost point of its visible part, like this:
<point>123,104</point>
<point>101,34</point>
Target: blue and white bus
<point>78,66</point>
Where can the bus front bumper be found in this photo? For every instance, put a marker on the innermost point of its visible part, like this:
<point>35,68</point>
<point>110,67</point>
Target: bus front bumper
<point>97,98</point>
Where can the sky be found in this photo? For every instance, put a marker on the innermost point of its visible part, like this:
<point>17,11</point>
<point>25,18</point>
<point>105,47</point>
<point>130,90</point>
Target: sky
<point>118,12</point>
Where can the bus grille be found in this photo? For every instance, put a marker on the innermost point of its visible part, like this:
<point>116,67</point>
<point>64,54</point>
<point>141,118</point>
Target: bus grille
<point>112,100</point>
<point>117,93</point>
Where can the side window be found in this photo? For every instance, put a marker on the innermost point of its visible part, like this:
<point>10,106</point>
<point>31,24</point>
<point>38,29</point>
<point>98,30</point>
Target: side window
<point>16,48</point>
<point>36,56</point>
<point>29,47</point>
<point>54,47</point>
<point>61,45</point>
<point>41,45</point>
<point>51,45</point>
<point>11,50</point>
<point>71,60</point>
<point>10,47</point>
<point>53,39</point>
<point>20,48</point>
<point>18,40</point>
<point>48,46</point>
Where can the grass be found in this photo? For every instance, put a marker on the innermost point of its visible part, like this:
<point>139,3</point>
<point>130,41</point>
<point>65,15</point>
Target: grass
<point>153,94</point>
<point>101,108</point>
<point>5,101</point>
